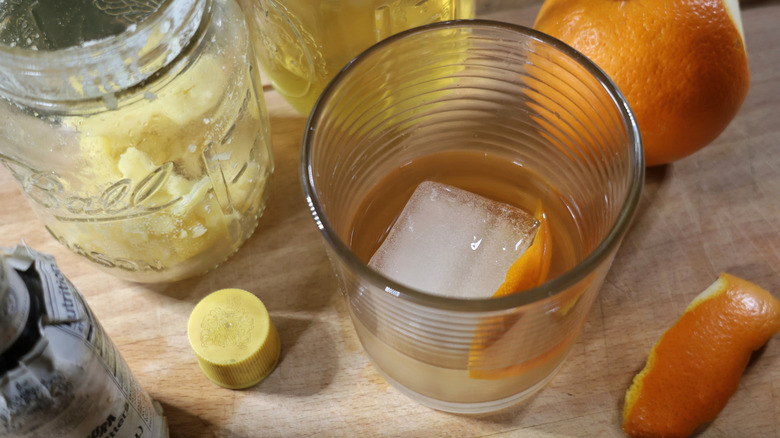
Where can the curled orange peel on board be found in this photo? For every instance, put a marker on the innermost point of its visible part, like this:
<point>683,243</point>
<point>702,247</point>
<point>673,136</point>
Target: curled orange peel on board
<point>697,364</point>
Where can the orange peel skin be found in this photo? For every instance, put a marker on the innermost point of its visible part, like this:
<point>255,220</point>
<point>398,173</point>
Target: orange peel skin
<point>532,268</point>
<point>666,57</point>
<point>529,270</point>
<point>696,366</point>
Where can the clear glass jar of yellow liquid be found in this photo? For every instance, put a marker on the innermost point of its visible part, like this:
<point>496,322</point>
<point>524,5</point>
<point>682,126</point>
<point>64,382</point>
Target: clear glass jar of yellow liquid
<point>136,129</point>
<point>302,44</point>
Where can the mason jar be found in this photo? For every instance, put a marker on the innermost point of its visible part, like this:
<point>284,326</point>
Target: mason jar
<point>137,130</point>
<point>302,44</point>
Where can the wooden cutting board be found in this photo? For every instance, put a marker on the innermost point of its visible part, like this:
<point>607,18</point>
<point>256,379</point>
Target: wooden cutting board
<point>718,210</point>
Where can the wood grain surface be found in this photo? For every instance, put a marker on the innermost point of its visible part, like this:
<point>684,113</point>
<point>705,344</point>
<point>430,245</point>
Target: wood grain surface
<point>718,210</point>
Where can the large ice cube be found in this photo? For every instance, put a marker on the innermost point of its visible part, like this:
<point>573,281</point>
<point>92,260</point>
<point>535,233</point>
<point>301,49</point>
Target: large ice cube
<point>448,241</point>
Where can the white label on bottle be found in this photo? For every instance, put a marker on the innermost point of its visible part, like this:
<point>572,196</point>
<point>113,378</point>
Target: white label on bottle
<point>59,294</point>
<point>74,383</point>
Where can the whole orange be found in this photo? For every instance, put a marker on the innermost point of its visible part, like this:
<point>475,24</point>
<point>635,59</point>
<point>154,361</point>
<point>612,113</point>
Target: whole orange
<point>681,64</point>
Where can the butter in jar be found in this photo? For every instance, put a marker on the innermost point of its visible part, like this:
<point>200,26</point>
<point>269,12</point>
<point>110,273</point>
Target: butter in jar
<point>142,139</point>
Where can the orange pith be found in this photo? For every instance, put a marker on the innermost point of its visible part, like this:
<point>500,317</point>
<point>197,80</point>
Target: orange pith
<point>531,268</point>
<point>697,364</point>
<point>681,64</point>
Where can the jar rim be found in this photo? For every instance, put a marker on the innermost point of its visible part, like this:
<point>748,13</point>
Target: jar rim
<point>96,68</point>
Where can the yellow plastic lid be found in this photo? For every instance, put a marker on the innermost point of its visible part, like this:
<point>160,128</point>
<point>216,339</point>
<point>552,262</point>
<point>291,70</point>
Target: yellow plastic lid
<point>232,335</point>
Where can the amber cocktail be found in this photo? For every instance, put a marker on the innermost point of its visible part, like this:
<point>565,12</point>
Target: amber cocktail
<point>512,118</point>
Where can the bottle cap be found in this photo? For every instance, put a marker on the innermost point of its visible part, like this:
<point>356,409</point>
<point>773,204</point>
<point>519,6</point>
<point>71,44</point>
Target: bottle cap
<point>232,335</point>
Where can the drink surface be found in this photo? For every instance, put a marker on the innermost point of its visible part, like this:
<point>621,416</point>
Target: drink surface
<point>55,24</point>
<point>490,176</point>
<point>302,44</point>
<point>452,242</point>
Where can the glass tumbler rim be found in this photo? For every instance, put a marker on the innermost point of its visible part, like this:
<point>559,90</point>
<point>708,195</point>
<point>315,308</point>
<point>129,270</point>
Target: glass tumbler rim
<point>544,291</point>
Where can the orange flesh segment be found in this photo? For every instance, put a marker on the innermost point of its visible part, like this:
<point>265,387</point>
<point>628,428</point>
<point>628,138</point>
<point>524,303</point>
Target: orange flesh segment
<point>532,268</point>
<point>697,364</point>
